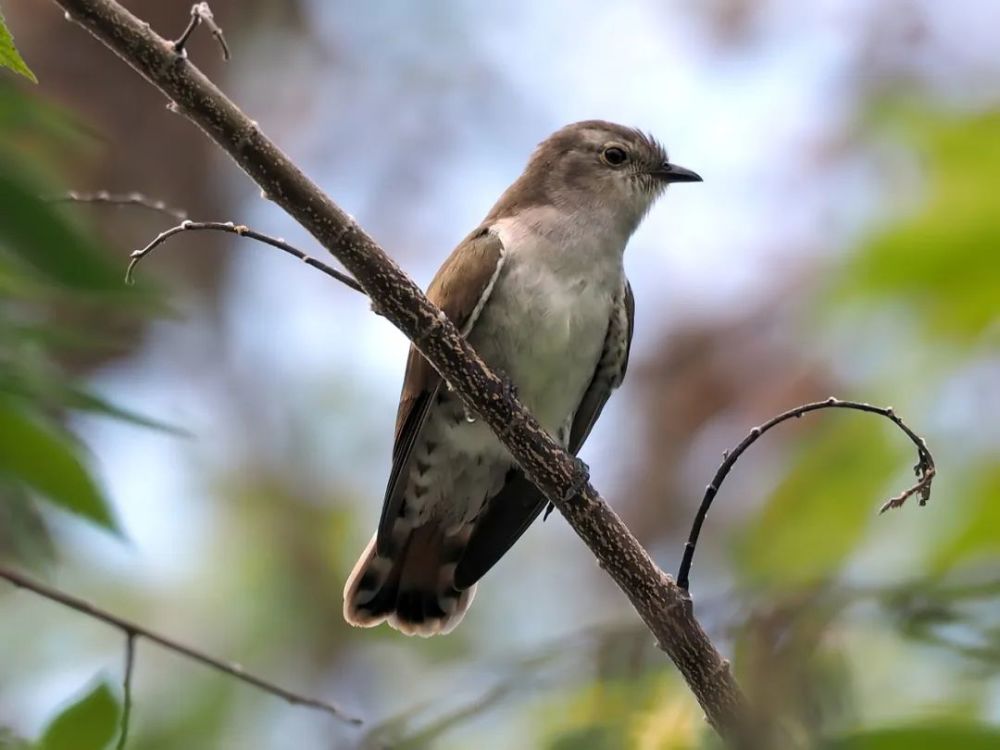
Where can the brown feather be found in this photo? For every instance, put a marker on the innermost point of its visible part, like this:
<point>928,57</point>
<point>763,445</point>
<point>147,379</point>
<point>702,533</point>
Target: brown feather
<point>459,288</point>
<point>598,392</point>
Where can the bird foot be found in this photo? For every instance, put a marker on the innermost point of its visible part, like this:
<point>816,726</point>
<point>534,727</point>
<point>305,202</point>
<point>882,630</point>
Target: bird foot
<point>507,387</point>
<point>579,479</point>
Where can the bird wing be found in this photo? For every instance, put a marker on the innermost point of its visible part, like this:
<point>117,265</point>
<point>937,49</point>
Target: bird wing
<point>511,511</point>
<point>460,288</point>
<point>610,370</point>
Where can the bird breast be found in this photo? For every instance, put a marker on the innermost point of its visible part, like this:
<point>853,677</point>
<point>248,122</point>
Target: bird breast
<point>545,324</point>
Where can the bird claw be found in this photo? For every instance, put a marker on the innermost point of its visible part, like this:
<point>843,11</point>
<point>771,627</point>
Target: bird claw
<point>580,479</point>
<point>507,387</point>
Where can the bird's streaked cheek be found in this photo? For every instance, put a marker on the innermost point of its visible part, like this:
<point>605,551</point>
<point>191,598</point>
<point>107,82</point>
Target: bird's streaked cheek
<point>643,190</point>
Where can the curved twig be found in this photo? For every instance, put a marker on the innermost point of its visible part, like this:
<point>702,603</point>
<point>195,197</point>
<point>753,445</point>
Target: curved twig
<point>134,631</point>
<point>119,199</point>
<point>924,468</point>
<point>242,231</point>
<point>202,14</point>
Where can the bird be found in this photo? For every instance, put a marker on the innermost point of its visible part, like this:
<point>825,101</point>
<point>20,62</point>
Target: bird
<point>538,289</point>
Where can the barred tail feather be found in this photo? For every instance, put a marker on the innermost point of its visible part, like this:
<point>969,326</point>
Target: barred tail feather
<point>413,589</point>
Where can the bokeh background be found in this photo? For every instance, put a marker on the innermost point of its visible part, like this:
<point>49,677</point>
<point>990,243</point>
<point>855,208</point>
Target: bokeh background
<point>205,452</point>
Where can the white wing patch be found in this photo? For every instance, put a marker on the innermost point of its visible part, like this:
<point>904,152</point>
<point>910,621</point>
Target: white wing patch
<point>487,290</point>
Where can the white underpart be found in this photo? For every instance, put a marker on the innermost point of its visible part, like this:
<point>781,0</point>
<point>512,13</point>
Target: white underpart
<point>548,316</point>
<point>543,324</point>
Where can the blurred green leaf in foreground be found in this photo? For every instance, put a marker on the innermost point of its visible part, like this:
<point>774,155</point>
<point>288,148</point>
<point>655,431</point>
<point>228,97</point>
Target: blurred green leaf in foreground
<point>88,723</point>
<point>55,280</point>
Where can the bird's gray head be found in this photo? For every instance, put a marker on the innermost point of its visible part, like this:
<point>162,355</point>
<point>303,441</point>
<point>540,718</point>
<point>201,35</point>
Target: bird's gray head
<point>591,166</point>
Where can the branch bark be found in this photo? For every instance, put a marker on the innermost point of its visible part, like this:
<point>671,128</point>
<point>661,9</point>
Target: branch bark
<point>666,609</point>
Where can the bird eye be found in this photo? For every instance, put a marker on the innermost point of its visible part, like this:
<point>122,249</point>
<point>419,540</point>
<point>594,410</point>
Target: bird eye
<point>614,155</point>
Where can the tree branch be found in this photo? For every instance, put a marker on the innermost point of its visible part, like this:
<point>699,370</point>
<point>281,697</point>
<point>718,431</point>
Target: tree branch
<point>119,199</point>
<point>133,631</point>
<point>242,231</point>
<point>924,468</point>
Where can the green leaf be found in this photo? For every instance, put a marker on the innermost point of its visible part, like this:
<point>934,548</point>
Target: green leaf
<point>24,536</point>
<point>9,56</point>
<point>40,139</point>
<point>46,460</point>
<point>941,260</point>
<point>90,723</point>
<point>821,510</point>
<point>59,336</point>
<point>24,115</point>
<point>41,237</point>
<point>966,737</point>
<point>976,537</point>
<point>82,400</point>
<point>35,386</point>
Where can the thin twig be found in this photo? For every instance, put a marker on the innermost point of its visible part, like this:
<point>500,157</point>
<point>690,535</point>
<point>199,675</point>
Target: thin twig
<point>924,468</point>
<point>133,630</point>
<point>242,231</point>
<point>127,689</point>
<point>119,199</point>
<point>201,14</point>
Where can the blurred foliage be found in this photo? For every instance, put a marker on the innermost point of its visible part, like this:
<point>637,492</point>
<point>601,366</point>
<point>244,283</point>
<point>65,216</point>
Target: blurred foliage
<point>816,518</point>
<point>45,459</point>
<point>88,723</point>
<point>978,537</point>
<point>45,248</point>
<point>53,279</point>
<point>937,260</point>
<point>941,259</point>
<point>646,711</point>
<point>9,56</point>
<point>921,736</point>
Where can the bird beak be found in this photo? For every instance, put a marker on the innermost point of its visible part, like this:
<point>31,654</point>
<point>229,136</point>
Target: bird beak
<point>672,173</point>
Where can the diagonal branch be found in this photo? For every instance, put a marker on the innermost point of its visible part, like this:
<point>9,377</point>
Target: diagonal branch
<point>665,608</point>
<point>924,468</point>
<point>133,631</point>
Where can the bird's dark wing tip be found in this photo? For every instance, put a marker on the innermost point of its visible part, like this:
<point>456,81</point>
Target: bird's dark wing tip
<point>506,517</point>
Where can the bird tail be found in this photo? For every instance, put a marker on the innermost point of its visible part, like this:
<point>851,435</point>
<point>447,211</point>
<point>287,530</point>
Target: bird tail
<point>412,588</point>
